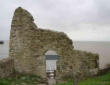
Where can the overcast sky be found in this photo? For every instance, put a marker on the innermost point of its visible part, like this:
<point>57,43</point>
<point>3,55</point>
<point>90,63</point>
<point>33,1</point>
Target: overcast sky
<point>82,20</point>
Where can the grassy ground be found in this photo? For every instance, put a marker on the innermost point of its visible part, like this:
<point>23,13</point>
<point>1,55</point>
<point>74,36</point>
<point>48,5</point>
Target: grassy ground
<point>21,80</point>
<point>100,80</point>
<point>34,80</point>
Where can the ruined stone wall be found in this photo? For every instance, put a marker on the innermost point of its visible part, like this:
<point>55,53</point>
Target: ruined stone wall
<point>6,68</point>
<point>83,64</point>
<point>88,63</point>
<point>28,45</point>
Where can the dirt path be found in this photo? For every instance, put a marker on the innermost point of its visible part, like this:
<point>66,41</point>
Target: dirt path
<point>51,81</point>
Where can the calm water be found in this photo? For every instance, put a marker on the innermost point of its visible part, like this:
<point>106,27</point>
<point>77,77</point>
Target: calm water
<point>102,48</point>
<point>4,50</point>
<point>51,64</point>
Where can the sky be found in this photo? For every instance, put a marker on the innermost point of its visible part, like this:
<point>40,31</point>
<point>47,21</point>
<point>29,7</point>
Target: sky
<point>81,20</point>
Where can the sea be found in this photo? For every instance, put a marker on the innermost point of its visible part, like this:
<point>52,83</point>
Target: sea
<point>101,48</point>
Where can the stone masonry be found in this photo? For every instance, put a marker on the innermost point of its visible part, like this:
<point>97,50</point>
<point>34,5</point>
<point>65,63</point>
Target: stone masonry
<point>28,45</point>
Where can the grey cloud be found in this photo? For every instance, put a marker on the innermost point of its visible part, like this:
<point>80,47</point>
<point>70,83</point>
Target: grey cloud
<point>103,9</point>
<point>74,17</point>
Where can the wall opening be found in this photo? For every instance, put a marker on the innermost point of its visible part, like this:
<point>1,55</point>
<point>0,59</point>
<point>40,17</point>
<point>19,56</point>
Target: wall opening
<point>51,63</point>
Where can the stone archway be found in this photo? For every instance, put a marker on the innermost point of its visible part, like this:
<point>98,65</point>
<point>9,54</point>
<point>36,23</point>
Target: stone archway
<point>51,63</point>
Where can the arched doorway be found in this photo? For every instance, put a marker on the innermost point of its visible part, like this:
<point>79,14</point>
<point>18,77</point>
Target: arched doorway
<point>51,63</point>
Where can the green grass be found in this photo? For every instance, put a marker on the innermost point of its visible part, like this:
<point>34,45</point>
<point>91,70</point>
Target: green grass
<point>34,80</point>
<point>21,80</point>
<point>99,80</point>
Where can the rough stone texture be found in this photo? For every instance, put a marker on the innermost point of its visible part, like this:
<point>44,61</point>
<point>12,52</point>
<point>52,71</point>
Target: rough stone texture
<point>28,45</point>
<point>85,63</point>
<point>6,67</point>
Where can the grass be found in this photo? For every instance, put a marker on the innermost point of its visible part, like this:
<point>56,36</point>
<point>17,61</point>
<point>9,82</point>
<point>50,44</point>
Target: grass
<point>35,80</point>
<point>99,80</point>
<point>21,80</point>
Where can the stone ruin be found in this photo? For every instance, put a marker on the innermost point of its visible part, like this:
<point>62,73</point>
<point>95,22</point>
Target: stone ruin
<point>28,45</point>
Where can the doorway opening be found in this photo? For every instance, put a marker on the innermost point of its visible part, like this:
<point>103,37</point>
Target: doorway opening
<point>51,63</point>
